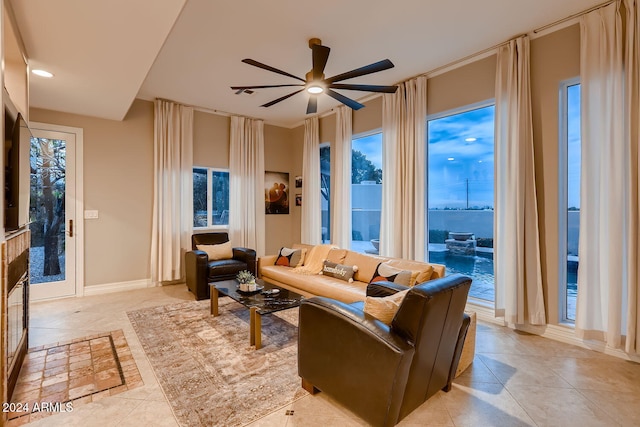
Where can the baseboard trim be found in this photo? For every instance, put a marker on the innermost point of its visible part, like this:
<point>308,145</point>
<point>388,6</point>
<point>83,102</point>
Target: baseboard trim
<point>559,333</point>
<point>109,288</point>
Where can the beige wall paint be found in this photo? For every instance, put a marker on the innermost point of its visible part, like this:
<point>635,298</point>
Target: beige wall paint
<point>118,182</point>
<point>554,58</point>
<point>282,153</point>
<point>210,140</point>
<point>466,85</point>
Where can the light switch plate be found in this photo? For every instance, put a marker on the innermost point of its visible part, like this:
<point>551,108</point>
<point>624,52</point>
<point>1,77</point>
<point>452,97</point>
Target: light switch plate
<point>90,214</point>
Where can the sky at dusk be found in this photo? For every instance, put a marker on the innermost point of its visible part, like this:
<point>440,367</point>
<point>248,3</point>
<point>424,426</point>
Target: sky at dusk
<point>460,155</point>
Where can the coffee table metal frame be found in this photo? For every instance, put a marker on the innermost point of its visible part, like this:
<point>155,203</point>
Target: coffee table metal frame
<point>258,303</point>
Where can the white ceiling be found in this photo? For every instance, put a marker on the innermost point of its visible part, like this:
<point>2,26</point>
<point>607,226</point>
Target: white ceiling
<point>106,53</point>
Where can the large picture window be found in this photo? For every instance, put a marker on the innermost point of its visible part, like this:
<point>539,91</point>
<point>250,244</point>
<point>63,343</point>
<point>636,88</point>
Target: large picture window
<point>569,221</point>
<point>366,192</point>
<point>210,198</point>
<point>460,198</point>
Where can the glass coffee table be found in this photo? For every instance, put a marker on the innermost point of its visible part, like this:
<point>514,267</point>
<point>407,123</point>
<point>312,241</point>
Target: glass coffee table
<point>269,299</point>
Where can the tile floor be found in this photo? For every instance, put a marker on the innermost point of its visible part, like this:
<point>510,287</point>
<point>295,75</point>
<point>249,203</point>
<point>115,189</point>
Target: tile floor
<point>516,379</point>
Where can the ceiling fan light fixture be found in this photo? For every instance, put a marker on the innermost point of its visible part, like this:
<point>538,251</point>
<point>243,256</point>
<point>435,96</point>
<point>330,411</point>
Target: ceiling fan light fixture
<point>315,89</point>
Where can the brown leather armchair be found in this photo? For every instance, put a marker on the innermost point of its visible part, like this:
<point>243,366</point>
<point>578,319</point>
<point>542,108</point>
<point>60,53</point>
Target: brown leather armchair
<point>381,372</point>
<point>200,271</point>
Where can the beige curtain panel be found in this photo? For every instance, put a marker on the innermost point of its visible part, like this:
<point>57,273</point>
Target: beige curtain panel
<point>172,190</point>
<point>607,306</point>
<point>518,278</point>
<point>311,232</point>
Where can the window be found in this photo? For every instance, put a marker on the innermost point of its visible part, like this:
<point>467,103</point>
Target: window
<point>325,191</point>
<point>366,192</point>
<point>210,198</point>
<point>569,221</point>
<point>460,150</point>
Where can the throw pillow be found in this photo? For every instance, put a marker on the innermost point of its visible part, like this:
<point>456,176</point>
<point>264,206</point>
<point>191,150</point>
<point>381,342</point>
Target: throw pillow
<point>385,308</point>
<point>385,272</point>
<point>339,271</point>
<point>289,257</point>
<point>216,252</point>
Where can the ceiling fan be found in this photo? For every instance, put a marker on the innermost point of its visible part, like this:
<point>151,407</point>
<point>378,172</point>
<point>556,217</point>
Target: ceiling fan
<point>315,83</point>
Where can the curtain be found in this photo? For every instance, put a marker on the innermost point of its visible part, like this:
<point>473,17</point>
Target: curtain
<point>311,232</point>
<point>172,190</point>
<point>607,306</point>
<point>402,223</point>
<point>518,278</point>
<point>246,184</point>
<point>341,181</point>
<point>632,116</point>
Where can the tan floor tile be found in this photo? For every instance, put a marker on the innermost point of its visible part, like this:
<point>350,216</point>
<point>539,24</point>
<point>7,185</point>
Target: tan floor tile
<point>484,404</point>
<point>622,407</point>
<point>542,404</point>
<point>522,369</point>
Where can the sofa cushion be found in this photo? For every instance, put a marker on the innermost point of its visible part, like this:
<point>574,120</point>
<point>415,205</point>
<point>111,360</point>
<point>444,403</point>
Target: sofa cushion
<point>384,308</point>
<point>421,271</point>
<point>291,257</point>
<point>215,252</point>
<point>388,273</point>
<point>367,265</point>
<point>316,284</point>
<point>339,271</point>
<point>337,255</point>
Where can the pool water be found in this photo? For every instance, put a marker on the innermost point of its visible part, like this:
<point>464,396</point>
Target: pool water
<point>480,268</point>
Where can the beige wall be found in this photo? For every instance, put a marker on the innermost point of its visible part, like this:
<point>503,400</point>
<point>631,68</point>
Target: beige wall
<point>118,182</point>
<point>283,153</point>
<point>119,156</point>
<point>462,86</point>
<point>554,58</point>
<point>210,140</point>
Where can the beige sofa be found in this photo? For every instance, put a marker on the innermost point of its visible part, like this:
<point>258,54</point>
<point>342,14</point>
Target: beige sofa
<point>305,279</point>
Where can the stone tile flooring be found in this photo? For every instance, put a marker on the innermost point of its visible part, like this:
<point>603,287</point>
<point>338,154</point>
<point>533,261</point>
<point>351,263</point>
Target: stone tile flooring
<point>516,379</point>
<point>58,377</point>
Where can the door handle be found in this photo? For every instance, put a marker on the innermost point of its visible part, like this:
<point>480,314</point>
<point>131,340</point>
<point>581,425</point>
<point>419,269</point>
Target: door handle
<point>70,228</point>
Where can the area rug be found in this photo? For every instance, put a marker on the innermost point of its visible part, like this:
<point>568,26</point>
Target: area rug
<point>206,367</point>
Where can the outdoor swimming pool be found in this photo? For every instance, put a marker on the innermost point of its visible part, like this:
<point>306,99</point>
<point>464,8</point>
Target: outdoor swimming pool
<point>480,268</point>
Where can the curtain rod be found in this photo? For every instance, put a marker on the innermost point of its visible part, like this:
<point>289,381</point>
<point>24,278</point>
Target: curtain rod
<point>575,15</point>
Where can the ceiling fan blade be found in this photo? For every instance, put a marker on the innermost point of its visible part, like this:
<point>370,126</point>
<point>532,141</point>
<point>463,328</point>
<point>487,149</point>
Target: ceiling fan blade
<point>275,101</point>
<point>320,56</point>
<point>260,87</point>
<point>367,88</point>
<point>269,68</point>
<point>385,64</point>
<point>346,101</point>
<point>312,106</point>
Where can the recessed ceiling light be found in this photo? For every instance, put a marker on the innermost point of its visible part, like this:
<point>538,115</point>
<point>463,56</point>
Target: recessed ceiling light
<point>471,139</point>
<point>450,158</point>
<point>42,73</point>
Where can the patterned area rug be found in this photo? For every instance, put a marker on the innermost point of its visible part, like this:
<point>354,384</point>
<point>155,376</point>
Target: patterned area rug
<point>206,367</point>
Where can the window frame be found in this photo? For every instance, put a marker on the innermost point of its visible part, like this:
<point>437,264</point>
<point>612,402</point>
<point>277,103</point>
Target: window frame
<point>563,193</point>
<point>209,225</point>
<point>368,133</point>
<point>485,303</point>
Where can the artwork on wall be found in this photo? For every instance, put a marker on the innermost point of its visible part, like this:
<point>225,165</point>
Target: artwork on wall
<point>298,199</point>
<point>276,192</point>
<point>298,181</point>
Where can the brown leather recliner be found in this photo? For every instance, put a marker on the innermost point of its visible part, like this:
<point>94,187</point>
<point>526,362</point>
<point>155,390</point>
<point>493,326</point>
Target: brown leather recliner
<point>381,372</point>
<point>200,271</point>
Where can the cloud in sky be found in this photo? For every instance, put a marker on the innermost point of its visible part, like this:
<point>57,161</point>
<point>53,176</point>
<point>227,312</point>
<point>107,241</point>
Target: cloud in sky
<point>459,169</point>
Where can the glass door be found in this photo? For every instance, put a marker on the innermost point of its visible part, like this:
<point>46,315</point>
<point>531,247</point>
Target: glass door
<point>51,212</point>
